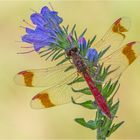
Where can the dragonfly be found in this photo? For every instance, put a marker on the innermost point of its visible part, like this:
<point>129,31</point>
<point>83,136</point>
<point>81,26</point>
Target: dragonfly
<point>56,79</point>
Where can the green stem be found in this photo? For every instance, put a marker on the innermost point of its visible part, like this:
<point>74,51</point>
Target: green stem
<point>99,135</point>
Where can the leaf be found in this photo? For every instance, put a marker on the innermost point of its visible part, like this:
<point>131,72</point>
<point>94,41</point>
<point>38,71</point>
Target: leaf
<point>114,108</point>
<point>53,52</point>
<point>114,128</point>
<point>73,29</point>
<point>90,124</point>
<point>86,91</point>
<point>77,80</point>
<point>69,68</point>
<point>109,103</point>
<point>109,88</point>
<point>88,44</point>
<point>58,56</point>
<point>65,29</point>
<point>62,61</point>
<point>106,126</point>
<point>83,33</point>
<point>92,40</point>
<point>112,88</point>
<point>75,35</point>
<point>101,53</point>
<point>87,104</point>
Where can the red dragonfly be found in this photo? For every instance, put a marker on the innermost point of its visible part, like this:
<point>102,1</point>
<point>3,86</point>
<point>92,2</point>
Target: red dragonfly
<point>56,79</point>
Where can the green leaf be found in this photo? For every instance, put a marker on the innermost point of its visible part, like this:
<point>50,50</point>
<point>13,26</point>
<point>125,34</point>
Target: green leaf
<point>90,124</point>
<point>73,29</point>
<point>92,40</point>
<point>114,108</point>
<point>88,44</point>
<point>75,35</point>
<point>77,80</point>
<point>105,88</point>
<point>106,126</point>
<point>83,33</point>
<point>109,88</point>
<point>50,54</point>
<point>86,91</point>
<point>62,61</point>
<point>69,68</point>
<point>101,53</point>
<point>87,104</point>
<point>58,56</point>
<point>110,101</point>
<point>114,128</point>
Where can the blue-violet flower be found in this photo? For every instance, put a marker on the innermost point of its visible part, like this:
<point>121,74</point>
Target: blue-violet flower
<point>82,43</point>
<point>92,55</point>
<point>46,30</point>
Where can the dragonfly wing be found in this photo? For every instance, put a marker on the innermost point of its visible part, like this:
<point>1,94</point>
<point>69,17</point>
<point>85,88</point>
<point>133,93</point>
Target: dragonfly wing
<point>43,77</point>
<point>58,95</point>
<point>114,36</point>
<point>121,59</point>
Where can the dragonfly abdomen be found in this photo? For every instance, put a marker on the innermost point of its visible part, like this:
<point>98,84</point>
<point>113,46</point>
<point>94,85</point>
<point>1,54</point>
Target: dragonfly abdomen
<point>97,95</point>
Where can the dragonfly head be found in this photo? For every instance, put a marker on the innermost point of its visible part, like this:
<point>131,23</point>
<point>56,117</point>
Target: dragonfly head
<point>71,51</point>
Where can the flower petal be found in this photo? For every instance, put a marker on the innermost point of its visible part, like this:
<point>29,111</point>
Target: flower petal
<point>92,55</point>
<point>28,30</point>
<point>37,19</point>
<point>33,38</point>
<point>37,47</point>
<point>44,10</point>
<point>82,43</point>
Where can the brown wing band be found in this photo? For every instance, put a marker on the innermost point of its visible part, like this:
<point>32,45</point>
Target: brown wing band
<point>44,98</point>
<point>129,53</point>
<point>118,28</point>
<point>28,77</point>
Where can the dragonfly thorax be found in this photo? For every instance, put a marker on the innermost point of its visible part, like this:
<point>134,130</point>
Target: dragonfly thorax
<point>71,51</point>
<point>77,60</point>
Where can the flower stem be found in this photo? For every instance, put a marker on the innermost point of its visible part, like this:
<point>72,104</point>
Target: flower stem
<point>99,135</point>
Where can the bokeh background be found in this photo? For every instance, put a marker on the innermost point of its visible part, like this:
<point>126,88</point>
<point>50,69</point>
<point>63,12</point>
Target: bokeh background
<point>17,119</point>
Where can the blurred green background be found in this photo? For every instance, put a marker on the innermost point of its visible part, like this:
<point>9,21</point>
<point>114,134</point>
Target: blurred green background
<point>17,119</point>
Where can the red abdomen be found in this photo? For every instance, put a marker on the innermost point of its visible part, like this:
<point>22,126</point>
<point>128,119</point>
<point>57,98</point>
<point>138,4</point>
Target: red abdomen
<point>98,96</point>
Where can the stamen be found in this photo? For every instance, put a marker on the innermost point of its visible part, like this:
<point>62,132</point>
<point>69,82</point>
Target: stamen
<point>22,27</point>
<point>51,6</point>
<point>25,52</point>
<point>28,23</point>
<point>33,10</point>
<point>26,46</point>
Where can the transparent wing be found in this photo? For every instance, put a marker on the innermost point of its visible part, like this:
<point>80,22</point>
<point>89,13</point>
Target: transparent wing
<point>44,77</point>
<point>58,95</point>
<point>114,36</point>
<point>121,59</point>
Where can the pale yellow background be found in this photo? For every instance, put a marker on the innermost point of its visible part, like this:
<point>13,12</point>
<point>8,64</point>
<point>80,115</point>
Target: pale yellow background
<point>17,119</point>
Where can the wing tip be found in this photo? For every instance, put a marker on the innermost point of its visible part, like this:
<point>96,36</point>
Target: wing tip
<point>24,78</point>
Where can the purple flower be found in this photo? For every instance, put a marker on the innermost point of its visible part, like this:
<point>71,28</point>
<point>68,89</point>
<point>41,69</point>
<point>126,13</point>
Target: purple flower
<point>82,43</point>
<point>46,30</point>
<point>92,54</point>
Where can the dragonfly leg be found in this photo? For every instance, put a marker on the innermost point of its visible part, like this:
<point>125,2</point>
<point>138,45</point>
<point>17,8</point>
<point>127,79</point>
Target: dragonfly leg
<point>68,58</point>
<point>94,103</point>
